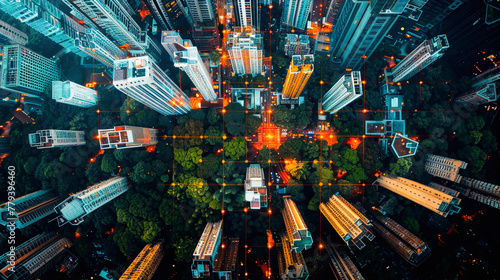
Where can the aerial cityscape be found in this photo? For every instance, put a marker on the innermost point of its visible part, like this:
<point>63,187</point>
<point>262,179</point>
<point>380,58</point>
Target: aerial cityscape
<point>249,139</point>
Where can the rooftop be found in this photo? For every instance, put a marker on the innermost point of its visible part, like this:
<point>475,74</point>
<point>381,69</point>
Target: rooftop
<point>403,146</point>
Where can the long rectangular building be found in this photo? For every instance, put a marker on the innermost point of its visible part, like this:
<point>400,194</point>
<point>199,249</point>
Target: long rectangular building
<point>73,94</point>
<point>347,221</point>
<point>226,262</point>
<point>299,72</point>
<point>481,186</point>
<point>127,136</point>
<point>52,138</point>
<point>145,264</point>
<point>347,89</point>
<point>291,265</point>
<point>28,209</point>
<point>255,188</point>
<point>296,229</point>
<point>430,198</point>
<point>342,265</point>
<point>444,167</point>
<point>206,250</point>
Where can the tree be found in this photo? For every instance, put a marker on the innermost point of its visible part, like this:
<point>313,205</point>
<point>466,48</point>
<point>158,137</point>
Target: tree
<point>209,166</point>
<point>188,158</point>
<point>214,57</point>
<point>141,173</point>
<point>234,118</point>
<point>184,248</point>
<point>189,134</point>
<point>108,163</point>
<point>213,135</point>
<point>401,167</point>
<point>296,190</point>
<point>297,169</point>
<point>213,116</point>
<point>236,148</point>
<point>151,231</point>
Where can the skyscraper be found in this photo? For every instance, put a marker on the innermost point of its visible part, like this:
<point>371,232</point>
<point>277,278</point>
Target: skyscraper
<point>74,208</point>
<point>436,201</point>
<point>226,262</point>
<point>347,89</point>
<point>421,57</point>
<point>95,44</point>
<point>245,51</point>
<point>481,186</point>
<point>255,188</point>
<point>360,27</point>
<point>28,209</point>
<point>206,250</point>
<point>35,257</point>
<point>19,75</point>
<point>145,264</point>
<point>123,137</point>
<point>487,77</point>
<point>73,94</point>
<point>343,265</point>
<point>347,221</point>
<point>151,46</point>
<point>291,265</point>
<point>201,10</point>
<point>297,45</point>
<point>405,243</point>
<point>144,81</point>
<point>479,96</point>
<point>296,229</point>
<point>299,72</point>
<point>295,14</point>
<point>11,35</point>
<point>189,61</point>
<point>172,42</point>
<point>171,15</point>
<point>52,138</point>
<point>247,13</point>
<point>443,167</point>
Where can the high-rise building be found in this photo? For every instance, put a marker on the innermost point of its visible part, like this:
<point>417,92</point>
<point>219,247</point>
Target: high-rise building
<point>145,264</point>
<point>332,12</point>
<point>226,262</point>
<point>296,229</point>
<point>481,186</point>
<point>245,51</point>
<point>35,257</point>
<point>347,89</point>
<point>73,94</point>
<point>299,72</point>
<point>405,243</point>
<point>479,197</point>
<point>19,75</point>
<point>206,250</point>
<point>28,209</point>
<point>347,221</point>
<point>343,265</point>
<point>436,201</point>
<point>123,137</point>
<point>97,45</point>
<point>52,138</point>
<point>295,14</point>
<point>255,188</point>
<point>247,13</point>
<point>487,77</point>
<point>443,167</point>
<point>291,265</point>
<point>201,10</point>
<point>144,81</point>
<point>297,45</point>
<point>11,35</point>
<point>151,46</point>
<point>206,38</point>
<point>479,96</point>
<point>360,27</point>
<point>189,61</point>
<point>421,57</point>
<point>171,15</point>
<point>172,42</point>
<point>112,17</point>
<point>74,208</point>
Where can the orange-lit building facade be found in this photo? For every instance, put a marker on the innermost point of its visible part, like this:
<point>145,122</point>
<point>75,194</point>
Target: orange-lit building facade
<point>299,72</point>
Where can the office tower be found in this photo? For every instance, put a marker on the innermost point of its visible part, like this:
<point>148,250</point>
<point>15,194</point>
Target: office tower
<point>112,17</point>
<point>245,51</point>
<point>291,265</point>
<point>295,14</point>
<point>360,27</point>
<point>52,138</point>
<point>347,89</point>
<point>296,229</point>
<point>28,209</point>
<point>436,201</point>
<point>172,42</point>
<point>73,94</point>
<point>421,57</point>
<point>226,262</point>
<point>343,265</point>
<point>206,250</point>
<point>299,72</point>
<point>405,243</point>
<point>189,61</point>
<point>479,96</point>
<point>171,15</point>
<point>95,44</point>
<point>443,167</point>
<point>255,188</point>
<point>247,13</point>
<point>201,10</point>
<point>347,221</point>
<point>479,197</point>
<point>403,146</point>
<point>127,136</point>
<point>487,77</point>
<point>19,75</point>
<point>151,46</point>
<point>35,257</point>
<point>481,186</point>
<point>143,80</point>
<point>206,38</point>
<point>74,208</point>
<point>297,45</point>
<point>332,12</point>
<point>145,264</point>
<point>11,35</point>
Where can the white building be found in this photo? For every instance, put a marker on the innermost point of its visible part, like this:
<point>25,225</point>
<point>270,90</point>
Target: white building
<point>255,188</point>
<point>95,44</point>
<point>347,89</point>
<point>123,137</point>
<point>51,138</point>
<point>245,51</point>
<point>172,42</point>
<point>201,10</point>
<point>73,94</point>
